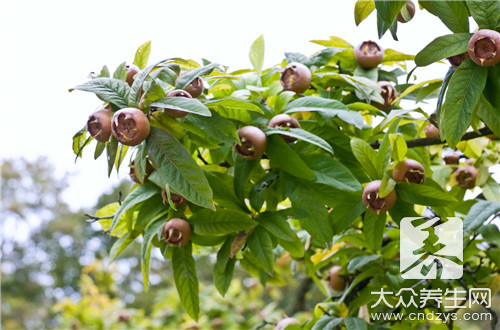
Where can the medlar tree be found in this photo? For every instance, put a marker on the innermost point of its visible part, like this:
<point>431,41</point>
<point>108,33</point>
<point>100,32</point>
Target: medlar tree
<point>297,159</point>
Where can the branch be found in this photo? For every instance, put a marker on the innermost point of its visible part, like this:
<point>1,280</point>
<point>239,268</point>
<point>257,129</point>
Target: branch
<point>436,140</point>
<point>92,218</point>
<point>300,299</point>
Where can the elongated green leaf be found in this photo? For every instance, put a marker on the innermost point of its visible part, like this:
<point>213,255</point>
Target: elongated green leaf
<point>215,127</point>
<point>442,92</point>
<point>387,11</point>
<point>367,157</point>
<point>423,195</point>
<point>303,135</point>
<point>261,246</point>
<point>150,233</point>
<point>277,226</point>
<point>362,9</point>
<point>257,53</point>
<point>140,78</point>
<point>283,157</point>
<point>79,142</point>
<point>343,215</point>
<point>142,55</point>
<point>175,167</point>
<point>108,89</point>
<point>186,280</point>
<point>182,104</point>
<point>358,262</point>
<point>188,77</point>
<point>121,72</point>
<point>326,322</point>
<point>486,13</point>
<point>222,222</point>
<point>111,151</point>
<point>224,267</point>
<point>355,323</point>
<point>489,114</point>
<point>452,13</point>
<point>242,170</point>
<point>99,149</point>
<point>373,229</point>
<point>463,94</point>
<point>398,147</point>
<point>120,244</point>
<point>478,214</point>
<point>232,104</point>
<point>443,47</point>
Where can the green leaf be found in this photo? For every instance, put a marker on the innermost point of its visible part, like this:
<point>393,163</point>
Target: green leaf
<point>443,47</point>
<point>326,322</point>
<point>344,214</point>
<point>224,267</point>
<point>175,167</point>
<point>182,104</point>
<point>121,72</point>
<point>150,233</point>
<point>188,77</point>
<point>99,149</point>
<point>478,214</point>
<point>373,229</point>
<point>279,227</point>
<point>105,72</point>
<point>489,114</point>
<point>303,135</point>
<point>257,53</point>
<point>486,13</point>
<point>442,92</point>
<point>398,147</point>
<point>136,88</point>
<point>355,323</point>
<point>261,246</point>
<point>362,9</point>
<point>452,13</point>
<point>186,280</point>
<point>242,170</point>
<point>79,142</point>
<point>283,157</point>
<point>463,94</point>
<point>111,151</point>
<point>490,233</point>
<point>423,195</point>
<point>214,127</point>
<point>366,156</point>
<point>358,262</point>
<point>387,10</point>
<point>120,244</point>
<point>282,101</point>
<point>107,89</point>
<point>142,55</point>
<point>232,104</point>
<point>221,222</point>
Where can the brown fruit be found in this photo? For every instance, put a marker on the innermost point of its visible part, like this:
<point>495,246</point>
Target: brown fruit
<point>388,93</point>
<point>337,282</point>
<point>431,131</point>
<point>195,87</point>
<point>458,59</point>
<point>178,200</point>
<point>177,232</point>
<point>132,70</point>
<point>373,202</point>
<point>409,170</point>
<point>466,176</point>
<point>130,126</point>
<point>286,322</point>
<point>253,142</point>
<point>296,77</point>
<point>174,112</point>
<point>368,54</point>
<point>452,159</point>
<point>99,125</point>
<point>410,12</point>
<point>133,177</point>
<point>484,47</point>
<point>283,121</point>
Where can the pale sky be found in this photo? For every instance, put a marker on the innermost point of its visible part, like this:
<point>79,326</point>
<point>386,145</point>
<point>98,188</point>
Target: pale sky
<point>49,46</point>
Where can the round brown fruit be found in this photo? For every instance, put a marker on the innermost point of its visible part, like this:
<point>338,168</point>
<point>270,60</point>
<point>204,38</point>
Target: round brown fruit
<point>178,200</point>
<point>130,126</point>
<point>484,47</point>
<point>296,77</point>
<point>409,170</point>
<point>388,93</point>
<point>195,87</point>
<point>286,322</point>
<point>99,125</point>
<point>283,121</point>
<point>337,282</point>
<point>253,142</point>
<point>174,112</point>
<point>132,70</point>
<point>431,131</point>
<point>133,177</point>
<point>176,232</point>
<point>466,176</point>
<point>452,159</point>
<point>410,12</point>
<point>456,60</point>
<point>373,202</point>
<point>368,54</point>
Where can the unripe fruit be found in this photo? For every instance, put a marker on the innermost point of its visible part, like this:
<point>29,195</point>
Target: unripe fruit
<point>195,87</point>
<point>388,93</point>
<point>409,170</point>
<point>466,176</point>
<point>253,142</point>
<point>99,125</point>
<point>176,232</point>
<point>373,202</point>
<point>337,282</point>
<point>456,60</point>
<point>368,54</point>
<point>484,47</point>
<point>282,121</point>
<point>296,77</point>
<point>174,112</point>
<point>286,322</point>
<point>178,200</point>
<point>410,9</point>
<point>130,126</point>
<point>132,70</point>
<point>431,131</point>
<point>133,177</point>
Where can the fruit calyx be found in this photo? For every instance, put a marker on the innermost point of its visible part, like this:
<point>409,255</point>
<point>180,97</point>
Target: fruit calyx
<point>130,126</point>
<point>296,77</point>
<point>176,232</point>
<point>388,93</point>
<point>409,170</point>
<point>99,125</point>
<point>484,47</point>
<point>178,200</point>
<point>466,176</point>
<point>372,200</point>
<point>253,142</point>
